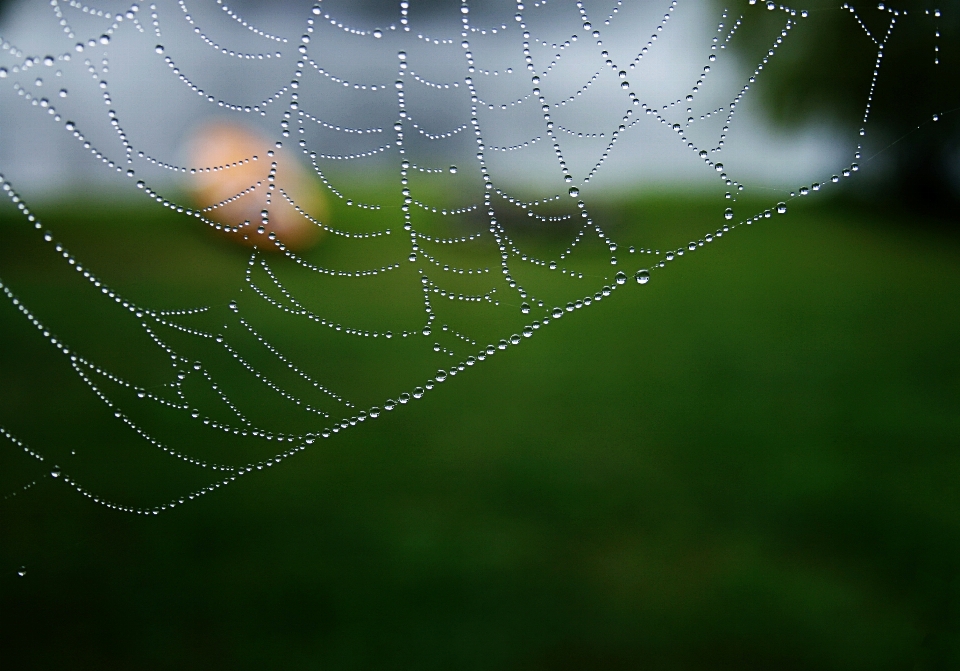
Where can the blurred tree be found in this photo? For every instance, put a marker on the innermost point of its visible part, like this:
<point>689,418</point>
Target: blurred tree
<point>827,64</point>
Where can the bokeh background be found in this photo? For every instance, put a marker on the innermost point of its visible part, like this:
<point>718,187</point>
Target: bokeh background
<point>749,463</point>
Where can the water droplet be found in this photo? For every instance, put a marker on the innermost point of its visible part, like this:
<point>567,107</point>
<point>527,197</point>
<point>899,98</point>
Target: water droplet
<point>728,213</point>
<point>643,276</point>
<point>390,404</point>
<point>55,473</point>
<point>525,308</point>
<point>159,49</point>
<point>515,339</point>
<point>441,375</point>
<point>3,73</point>
<point>527,331</point>
<point>703,153</point>
<point>781,208</point>
<point>574,192</point>
<point>22,571</point>
<point>378,33</point>
<point>718,167</point>
<point>104,39</point>
<point>63,93</point>
<point>557,313</point>
<point>453,170</point>
<point>621,277</point>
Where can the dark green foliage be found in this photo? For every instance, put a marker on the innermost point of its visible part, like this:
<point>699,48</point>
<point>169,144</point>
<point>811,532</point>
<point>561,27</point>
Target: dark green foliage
<point>826,66</point>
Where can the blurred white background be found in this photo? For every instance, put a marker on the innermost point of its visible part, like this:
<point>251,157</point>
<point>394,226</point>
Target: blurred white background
<point>157,111</point>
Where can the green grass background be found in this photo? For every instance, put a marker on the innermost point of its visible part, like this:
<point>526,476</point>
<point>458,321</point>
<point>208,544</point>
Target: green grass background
<point>749,463</point>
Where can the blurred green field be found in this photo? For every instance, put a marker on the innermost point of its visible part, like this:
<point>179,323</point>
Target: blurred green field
<point>749,463</point>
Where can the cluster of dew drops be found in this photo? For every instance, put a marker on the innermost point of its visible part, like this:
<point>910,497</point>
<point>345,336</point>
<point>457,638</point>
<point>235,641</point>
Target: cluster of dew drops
<point>148,23</point>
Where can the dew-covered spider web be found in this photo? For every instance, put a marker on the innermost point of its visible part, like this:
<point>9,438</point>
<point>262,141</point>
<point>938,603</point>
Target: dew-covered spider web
<point>414,194</point>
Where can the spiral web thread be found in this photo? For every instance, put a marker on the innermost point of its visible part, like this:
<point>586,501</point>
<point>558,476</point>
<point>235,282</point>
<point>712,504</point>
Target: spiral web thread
<point>421,248</point>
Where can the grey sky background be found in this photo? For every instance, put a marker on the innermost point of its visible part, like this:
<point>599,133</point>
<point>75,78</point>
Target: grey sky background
<point>157,111</point>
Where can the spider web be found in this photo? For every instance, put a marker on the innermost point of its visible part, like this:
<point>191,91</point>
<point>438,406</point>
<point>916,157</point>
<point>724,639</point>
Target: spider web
<point>459,156</point>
